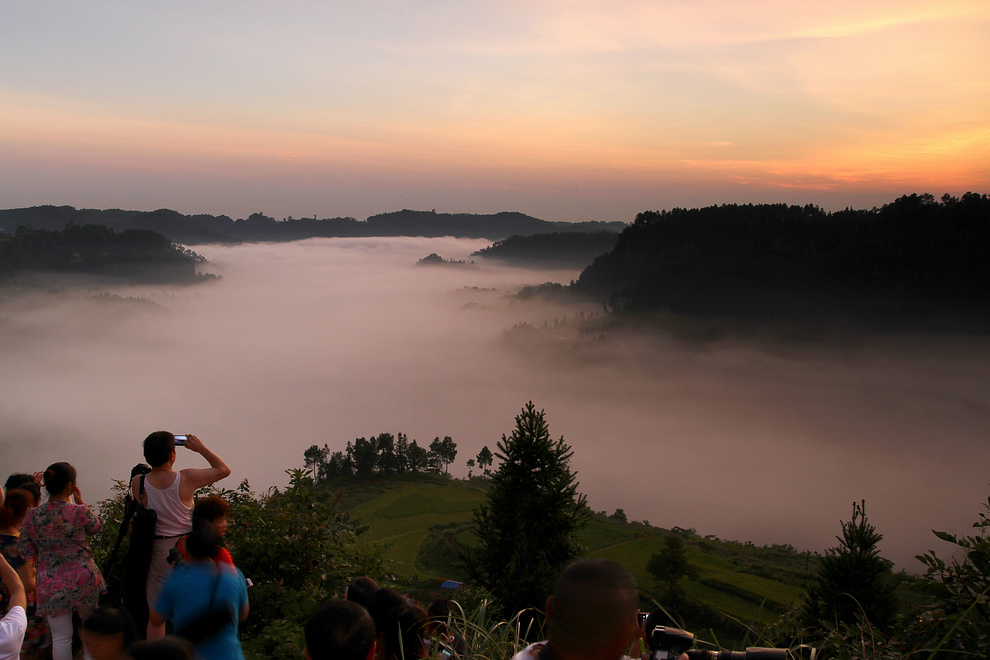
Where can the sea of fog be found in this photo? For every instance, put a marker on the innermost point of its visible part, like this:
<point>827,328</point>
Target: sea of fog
<point>326,340</point>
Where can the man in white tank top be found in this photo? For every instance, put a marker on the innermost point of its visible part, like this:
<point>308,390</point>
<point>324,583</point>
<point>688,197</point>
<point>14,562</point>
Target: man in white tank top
<point>170,494</point>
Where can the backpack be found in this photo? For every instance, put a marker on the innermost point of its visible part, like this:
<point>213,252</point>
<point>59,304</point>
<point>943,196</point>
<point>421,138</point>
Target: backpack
<point>138,559</point>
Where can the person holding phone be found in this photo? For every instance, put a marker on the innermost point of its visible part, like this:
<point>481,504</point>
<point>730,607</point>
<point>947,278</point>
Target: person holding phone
<point>170,494</point>
<point>55,534</point>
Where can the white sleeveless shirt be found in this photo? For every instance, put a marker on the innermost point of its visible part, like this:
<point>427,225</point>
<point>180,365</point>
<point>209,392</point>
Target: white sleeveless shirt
<point>174,517</point>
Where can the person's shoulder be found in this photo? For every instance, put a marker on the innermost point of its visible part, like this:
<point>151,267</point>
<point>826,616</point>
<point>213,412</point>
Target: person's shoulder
<point>223,557</point>
<point>230,571</point>
<point>531,652</point>
<point>16,617</point>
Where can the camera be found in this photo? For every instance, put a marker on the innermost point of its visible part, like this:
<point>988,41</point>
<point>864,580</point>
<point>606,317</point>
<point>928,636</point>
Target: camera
<point>180,440</point>
<point>666,643</point>
<point>174,557</point>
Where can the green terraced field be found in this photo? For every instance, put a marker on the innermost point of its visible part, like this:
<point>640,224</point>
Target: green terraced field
<point>408,516</point>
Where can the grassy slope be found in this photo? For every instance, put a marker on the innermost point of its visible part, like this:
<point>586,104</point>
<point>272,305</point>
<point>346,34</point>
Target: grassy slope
<point>747,583</point>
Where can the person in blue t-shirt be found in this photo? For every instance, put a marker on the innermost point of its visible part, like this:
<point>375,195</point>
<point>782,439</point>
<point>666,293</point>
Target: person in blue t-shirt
<point>199,586</point>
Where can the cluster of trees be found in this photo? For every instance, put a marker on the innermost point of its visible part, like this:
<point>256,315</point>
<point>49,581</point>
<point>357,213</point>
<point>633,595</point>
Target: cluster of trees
<point>774,259</point>
<point>98,250</point>
<point>388,454</point>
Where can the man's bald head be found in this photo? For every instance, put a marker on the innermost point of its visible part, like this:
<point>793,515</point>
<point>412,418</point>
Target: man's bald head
<point>593,609</point>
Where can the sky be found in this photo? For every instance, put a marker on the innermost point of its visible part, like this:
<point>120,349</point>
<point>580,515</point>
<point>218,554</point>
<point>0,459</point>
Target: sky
<point>566,110</point>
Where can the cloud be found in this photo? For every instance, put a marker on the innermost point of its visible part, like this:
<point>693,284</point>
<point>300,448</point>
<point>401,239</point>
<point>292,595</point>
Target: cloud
<point>326,340</point>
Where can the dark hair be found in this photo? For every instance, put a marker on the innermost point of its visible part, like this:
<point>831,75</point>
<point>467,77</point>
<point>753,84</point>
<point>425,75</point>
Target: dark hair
<point>24,482</point>
<point>593,602</point>
<point>110,621</point>
<point>158,448</point>
<point>15,505</point>
<point>32,489</point>
<point>340,629</point>
<point>360,590</point>
<point>402,636</point>
<point>381,603</point>
<point>58,476</point>
<point>204,541</point>
<point>210,508</point>
<point>438,612</point>
<point>164,648</point>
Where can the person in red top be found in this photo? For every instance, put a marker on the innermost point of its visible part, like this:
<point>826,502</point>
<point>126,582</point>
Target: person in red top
<point>212,509</point>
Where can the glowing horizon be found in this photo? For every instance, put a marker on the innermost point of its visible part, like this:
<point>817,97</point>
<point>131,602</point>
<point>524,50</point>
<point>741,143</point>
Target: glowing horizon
<point>564,110</point>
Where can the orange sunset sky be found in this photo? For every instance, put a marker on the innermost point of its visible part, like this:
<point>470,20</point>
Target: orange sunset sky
<point>566,110</point>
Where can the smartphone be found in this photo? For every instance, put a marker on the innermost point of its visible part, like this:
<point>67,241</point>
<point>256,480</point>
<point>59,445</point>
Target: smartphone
<point>180,441</point>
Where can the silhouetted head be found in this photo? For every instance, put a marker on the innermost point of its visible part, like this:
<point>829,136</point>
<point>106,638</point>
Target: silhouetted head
<point>592,612</point>
<point>164,648</point>
<point>360,590</point>
<point>382,602</point>
<point>203,542</point>
<point>24,482</point>
<point>340,630</point>
<point>106,633</point>
<point>401,637</point>
<point>213,509</point>
<point>437,613</point>
<point>158,448</point>
<point>58,476</point>
<point>15,505</point>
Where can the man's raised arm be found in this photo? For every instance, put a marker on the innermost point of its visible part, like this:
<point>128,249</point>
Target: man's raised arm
<point>195,478</point>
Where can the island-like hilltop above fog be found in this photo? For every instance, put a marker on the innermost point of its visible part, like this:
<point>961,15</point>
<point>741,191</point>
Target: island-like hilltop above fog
<point>203,228</point>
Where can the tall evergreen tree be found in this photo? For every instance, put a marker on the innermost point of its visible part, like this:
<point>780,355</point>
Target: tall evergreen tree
<point>854,580</point>
<point>669,565</point>
<point>526,528</point>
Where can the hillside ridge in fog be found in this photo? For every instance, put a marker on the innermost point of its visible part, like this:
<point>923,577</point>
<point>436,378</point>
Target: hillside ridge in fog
<point>205,228</point>
<point>913,264</point>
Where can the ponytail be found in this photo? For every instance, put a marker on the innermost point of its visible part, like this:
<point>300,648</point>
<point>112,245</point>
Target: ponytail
<point>58,476</point>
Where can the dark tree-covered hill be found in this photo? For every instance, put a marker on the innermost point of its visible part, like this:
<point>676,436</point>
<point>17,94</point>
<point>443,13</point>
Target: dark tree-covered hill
<point>554,249</point>
<point>198,229</point>
<point>910,257</point>
<point>135,254</point>
<point>469,225</point>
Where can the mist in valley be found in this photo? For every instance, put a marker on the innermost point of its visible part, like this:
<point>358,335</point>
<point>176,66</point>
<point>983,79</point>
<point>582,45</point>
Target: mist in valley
<point>325,340</point>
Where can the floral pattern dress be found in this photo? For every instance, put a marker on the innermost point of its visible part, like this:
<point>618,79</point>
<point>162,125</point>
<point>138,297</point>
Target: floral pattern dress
<point>36,637</point>
<point>67,576</point>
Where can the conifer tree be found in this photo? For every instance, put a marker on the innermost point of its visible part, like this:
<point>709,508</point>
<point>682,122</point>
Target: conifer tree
<point>854,580</point>
<point>526,528</point>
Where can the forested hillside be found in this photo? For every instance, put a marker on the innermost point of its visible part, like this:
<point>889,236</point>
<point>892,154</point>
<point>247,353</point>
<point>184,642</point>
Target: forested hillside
<point>909,260</point>
<point>204,228</point>
<point>137,254</point>
<point>554,249</point>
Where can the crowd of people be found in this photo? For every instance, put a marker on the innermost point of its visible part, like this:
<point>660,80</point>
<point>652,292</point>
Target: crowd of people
<point>52,586</point>
<point>50,580</point>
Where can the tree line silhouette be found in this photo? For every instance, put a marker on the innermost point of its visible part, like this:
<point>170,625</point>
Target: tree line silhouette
<point>205,228</point>
<point>772,259</point>
<point>387,454</point>
<point>98,250</point>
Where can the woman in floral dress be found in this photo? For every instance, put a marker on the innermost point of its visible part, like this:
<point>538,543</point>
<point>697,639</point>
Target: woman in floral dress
<point>68,579</point>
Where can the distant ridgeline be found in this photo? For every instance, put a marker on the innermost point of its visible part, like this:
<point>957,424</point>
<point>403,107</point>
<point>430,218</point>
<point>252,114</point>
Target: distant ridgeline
<point>195,229</point>
<point>135,254</point>
<point>915,260</point>
<point>573,248</point>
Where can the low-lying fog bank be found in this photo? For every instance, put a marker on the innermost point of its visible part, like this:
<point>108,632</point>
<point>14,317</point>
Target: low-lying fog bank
<point>326,340</point>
